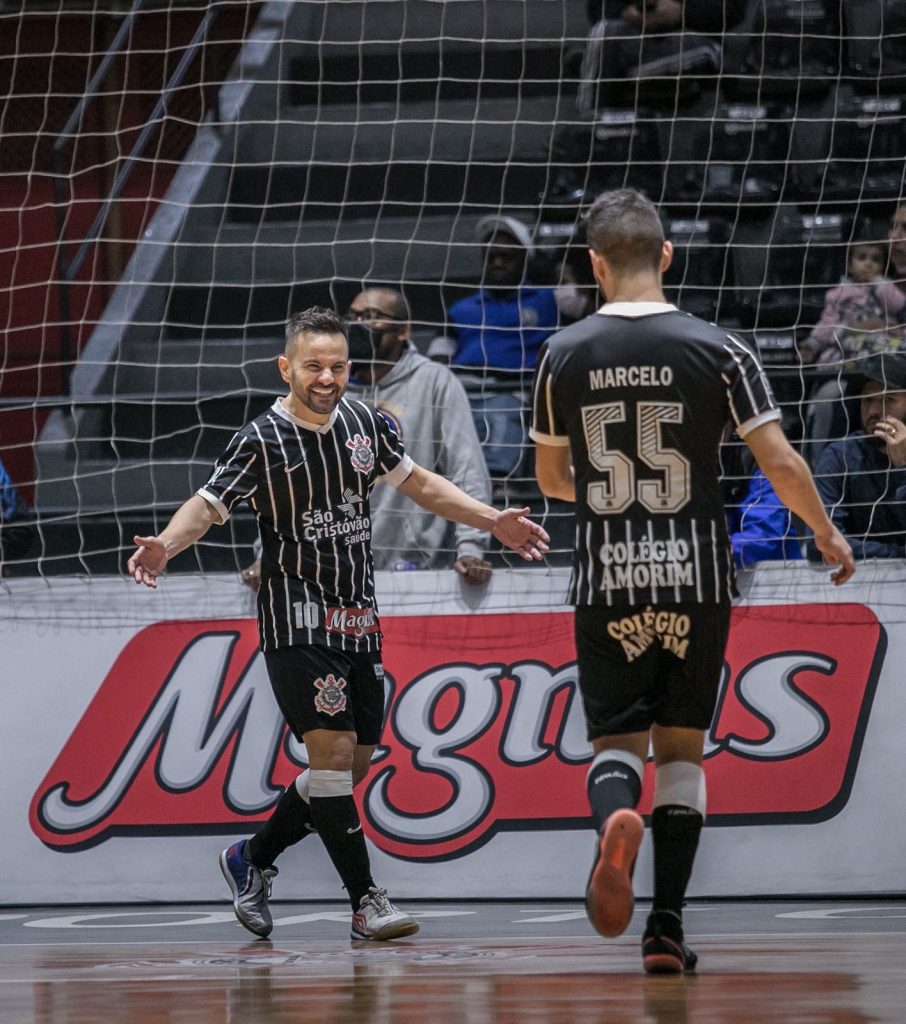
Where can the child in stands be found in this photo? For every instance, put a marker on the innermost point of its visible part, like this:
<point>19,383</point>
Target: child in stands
<point>858,312</point>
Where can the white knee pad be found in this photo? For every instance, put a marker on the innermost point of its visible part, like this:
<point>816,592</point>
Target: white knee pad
<point>682,784</point>
<point>623,756</point>
<point>322,782</point>
<point>302,784</point>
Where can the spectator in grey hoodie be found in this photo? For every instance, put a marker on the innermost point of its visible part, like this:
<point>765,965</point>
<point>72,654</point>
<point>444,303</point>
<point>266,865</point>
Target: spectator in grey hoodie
<point>428,408</point>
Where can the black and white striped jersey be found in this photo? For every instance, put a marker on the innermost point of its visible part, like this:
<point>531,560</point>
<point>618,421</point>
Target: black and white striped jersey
<point>641,393</point>
<point>309,486</point>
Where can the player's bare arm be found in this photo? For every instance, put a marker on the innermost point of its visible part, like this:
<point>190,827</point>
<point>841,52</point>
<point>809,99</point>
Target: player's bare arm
<point>554,472</point>
<point>510,526</point>
<point>790,477</point>
<point>190,522</point>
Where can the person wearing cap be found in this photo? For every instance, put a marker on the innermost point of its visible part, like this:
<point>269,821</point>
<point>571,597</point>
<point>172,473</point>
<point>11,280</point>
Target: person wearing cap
<point>862,478</point>
<point>495,336</point>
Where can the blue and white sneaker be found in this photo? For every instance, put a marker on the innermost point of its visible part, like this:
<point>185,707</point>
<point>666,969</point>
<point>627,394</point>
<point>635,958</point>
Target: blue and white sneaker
<point>251,889</point>
<point>378,918</point>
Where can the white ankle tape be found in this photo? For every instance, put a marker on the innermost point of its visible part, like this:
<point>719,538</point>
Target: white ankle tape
<point>322,782</point>
<point>302,784</point>
<point>623,756</point>
<point>682,784</point>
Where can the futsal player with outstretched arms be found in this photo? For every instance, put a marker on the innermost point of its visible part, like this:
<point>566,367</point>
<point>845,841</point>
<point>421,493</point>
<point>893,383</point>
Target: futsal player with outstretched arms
<point>307,467</point>
<point>629,408</point>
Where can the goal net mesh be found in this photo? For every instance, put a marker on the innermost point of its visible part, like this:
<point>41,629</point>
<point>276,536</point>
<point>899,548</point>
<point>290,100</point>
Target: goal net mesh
<point>179,178</point>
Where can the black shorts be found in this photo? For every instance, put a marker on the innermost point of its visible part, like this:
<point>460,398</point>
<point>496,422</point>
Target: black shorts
<point>641,665</point>
<point>326,688</point>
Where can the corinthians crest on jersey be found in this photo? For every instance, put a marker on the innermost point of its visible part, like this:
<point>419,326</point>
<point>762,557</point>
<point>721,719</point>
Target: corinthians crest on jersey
<point>362,457</point>
<point>330,698</point>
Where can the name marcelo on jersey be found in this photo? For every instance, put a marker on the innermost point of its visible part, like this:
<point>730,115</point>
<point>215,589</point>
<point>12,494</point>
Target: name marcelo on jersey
<point>631,376</point>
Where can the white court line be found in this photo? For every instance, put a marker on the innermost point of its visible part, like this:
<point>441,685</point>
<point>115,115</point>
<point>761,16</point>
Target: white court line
<point>477,940</point>
<point>198,918</point>
<point>567,915</point>
<point>853,913</point>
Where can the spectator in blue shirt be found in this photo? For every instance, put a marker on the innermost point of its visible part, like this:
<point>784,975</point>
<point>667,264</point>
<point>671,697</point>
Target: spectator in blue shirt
<point>760,527</point>
<point>495,335</point>
<point>862,478</point>
<point>759,524</point>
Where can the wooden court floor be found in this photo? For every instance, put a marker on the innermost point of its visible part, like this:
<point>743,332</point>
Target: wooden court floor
<point>835,962</point>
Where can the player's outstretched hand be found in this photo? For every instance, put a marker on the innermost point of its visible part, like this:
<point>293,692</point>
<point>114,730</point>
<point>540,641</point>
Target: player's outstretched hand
<point>526,538</point>
<point>836,551</point>
<point>148,562</point>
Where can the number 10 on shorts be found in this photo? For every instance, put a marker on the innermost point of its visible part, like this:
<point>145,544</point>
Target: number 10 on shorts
<point>305,614</point>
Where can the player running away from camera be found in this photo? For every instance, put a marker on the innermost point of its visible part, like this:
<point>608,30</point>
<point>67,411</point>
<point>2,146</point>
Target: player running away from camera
<point>629,408</point>
<point>307,467</point>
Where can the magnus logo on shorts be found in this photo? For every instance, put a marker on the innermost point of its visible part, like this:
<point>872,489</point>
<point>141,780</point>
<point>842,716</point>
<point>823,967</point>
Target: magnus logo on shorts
<point>351,621</point>
<point>484,731</point>
<point>330,699</point>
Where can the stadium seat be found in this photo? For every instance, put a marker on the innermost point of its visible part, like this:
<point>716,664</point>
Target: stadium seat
<point>876,45</point>
<point>736,156</point>
<point>620,148</point>
<point>784,265</point>
<point>866,150</point>
<point>783,50</point>
<point>700,266</point>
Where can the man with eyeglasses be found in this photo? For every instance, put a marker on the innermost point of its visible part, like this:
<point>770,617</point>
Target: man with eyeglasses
<point>428,408</point>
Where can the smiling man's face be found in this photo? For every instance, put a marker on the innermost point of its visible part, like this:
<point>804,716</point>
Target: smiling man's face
<point>316,367</point>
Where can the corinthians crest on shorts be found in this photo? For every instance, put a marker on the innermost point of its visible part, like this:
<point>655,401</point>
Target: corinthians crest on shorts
<point>330,699</point>
<point>362,457</point>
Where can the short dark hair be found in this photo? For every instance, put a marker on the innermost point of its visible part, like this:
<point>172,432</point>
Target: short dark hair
<point>315,320</point>
<point>625,229</point>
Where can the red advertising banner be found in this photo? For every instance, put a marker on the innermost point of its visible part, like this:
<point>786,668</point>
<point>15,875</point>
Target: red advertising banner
<point>484,731</point>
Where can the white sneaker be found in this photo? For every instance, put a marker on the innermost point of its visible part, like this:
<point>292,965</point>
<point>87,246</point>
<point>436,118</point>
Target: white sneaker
<point>378,918</point>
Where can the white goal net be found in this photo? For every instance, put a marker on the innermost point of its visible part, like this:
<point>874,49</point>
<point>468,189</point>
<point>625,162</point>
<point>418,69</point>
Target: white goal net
<point>179,178</point>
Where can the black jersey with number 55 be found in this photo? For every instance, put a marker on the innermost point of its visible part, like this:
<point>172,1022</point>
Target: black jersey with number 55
<point>642,393</point>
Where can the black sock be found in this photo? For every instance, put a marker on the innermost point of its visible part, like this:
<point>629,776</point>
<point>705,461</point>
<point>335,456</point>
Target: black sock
<point>611,785</point>
<point>289,822</point>
<point>675,830</point>
<point>337,821</point>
